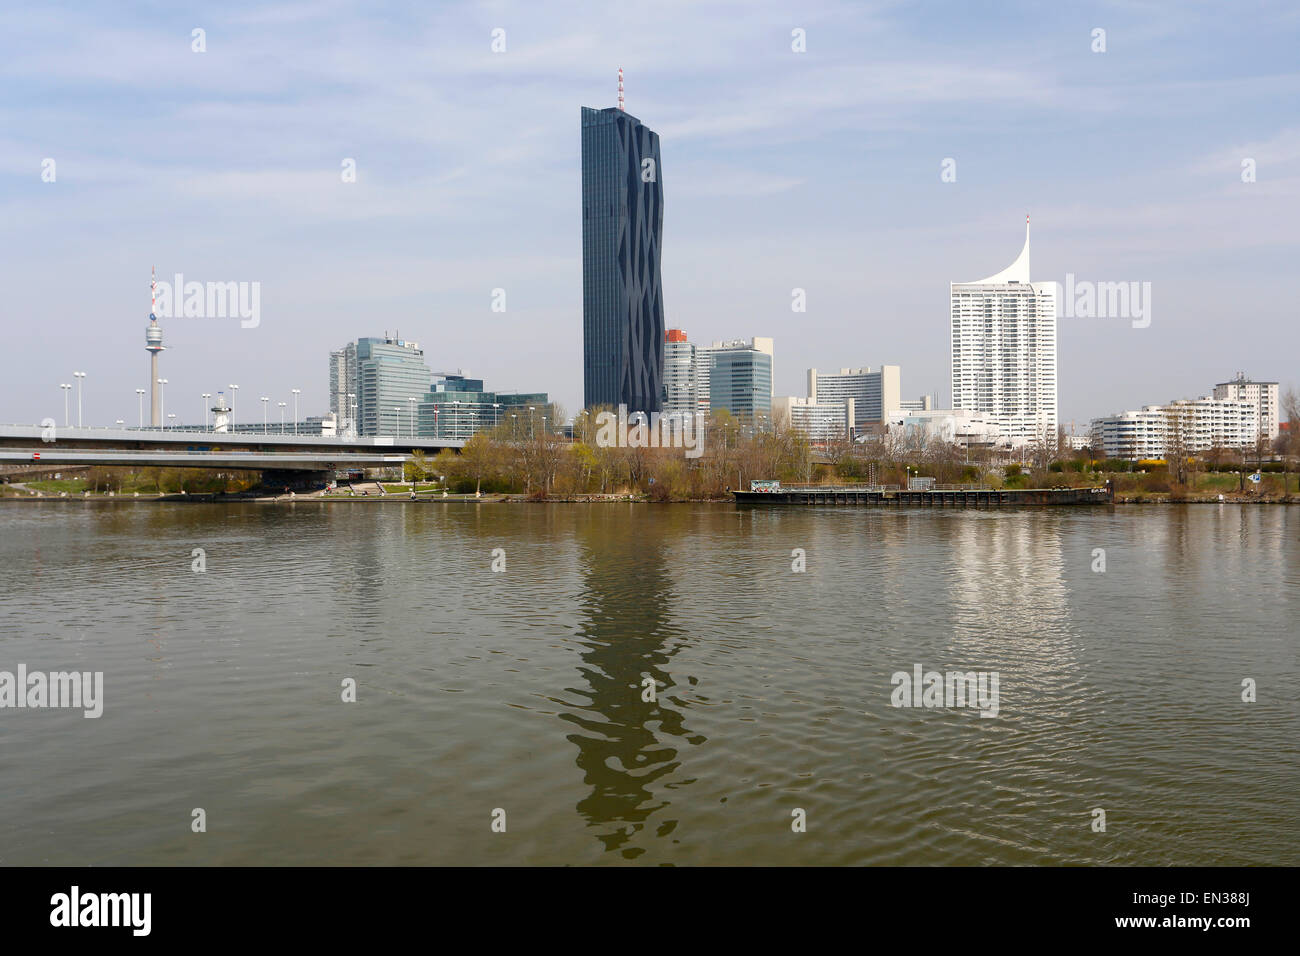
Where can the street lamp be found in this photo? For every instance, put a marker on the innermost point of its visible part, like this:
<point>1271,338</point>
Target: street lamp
<point>352,414</point>
<point>455,419</point>
<point>140,395</point>
<point>206,396</point>
<point>295,408</point>
<point>397,420</point>
<point>172,415</point>
<point>496,414</point>
<point>410,421</point>
<point>234,391</point>
<point>282,406</point>
<point>65,387</point>
<point>80,376</point>
<point>162,396</point>
<point>265,399</point>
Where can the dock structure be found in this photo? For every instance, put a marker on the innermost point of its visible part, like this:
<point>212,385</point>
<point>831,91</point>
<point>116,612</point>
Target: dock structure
<point>938,498</point>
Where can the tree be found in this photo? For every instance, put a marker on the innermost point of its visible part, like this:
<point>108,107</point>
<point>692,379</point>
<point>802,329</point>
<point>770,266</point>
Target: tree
<point>1176,442</point>
<point>479,458</point>
<point>539,457</point>
<point>417,469</point>
<point>1044,449</point>
<point>1291,444</point>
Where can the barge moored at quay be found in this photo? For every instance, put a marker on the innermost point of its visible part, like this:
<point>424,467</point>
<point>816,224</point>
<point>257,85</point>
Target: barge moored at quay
<point>773,494</point>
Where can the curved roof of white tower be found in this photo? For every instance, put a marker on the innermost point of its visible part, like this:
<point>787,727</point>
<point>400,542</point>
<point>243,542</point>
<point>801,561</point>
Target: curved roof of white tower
<point>1018,271</point>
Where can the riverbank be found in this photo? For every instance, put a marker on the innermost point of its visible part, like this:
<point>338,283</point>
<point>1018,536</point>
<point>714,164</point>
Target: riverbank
<point>1141,498</point>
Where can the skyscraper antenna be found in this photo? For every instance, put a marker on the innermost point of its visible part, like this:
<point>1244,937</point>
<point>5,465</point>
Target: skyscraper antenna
<point>153,289</point>
<point>620,88</point>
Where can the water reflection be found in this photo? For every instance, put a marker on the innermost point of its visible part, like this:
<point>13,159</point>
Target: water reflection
<point>626,746</point>
<point>1010,608</point>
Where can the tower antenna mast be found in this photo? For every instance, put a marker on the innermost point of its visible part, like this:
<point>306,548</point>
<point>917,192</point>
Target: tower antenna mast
<point>620,88</point>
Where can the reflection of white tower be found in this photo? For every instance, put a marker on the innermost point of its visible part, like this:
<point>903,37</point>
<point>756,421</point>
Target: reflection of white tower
<point>153,345</point>
<point>221,415</point>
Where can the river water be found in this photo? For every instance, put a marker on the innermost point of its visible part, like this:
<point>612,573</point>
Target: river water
<point>517,695</point>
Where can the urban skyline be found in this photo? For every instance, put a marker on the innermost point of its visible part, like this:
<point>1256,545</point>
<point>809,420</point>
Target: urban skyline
<point>464,494</point>
<point>872,239</point>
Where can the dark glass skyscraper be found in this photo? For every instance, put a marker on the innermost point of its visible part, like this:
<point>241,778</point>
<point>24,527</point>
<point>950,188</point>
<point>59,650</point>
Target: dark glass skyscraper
<point>622,233</point>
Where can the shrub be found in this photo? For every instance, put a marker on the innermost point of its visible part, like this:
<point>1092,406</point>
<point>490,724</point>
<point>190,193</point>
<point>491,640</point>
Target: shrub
<point>1157,483</point>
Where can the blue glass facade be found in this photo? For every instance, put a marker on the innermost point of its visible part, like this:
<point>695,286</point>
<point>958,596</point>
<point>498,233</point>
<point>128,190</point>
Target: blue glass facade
<point>740,380</point>
<point>456,407</point>
<point>622,234</point>
<point>389,372</point>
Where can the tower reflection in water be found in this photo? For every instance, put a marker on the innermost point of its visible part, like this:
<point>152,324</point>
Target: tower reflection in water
<point>628,748</point>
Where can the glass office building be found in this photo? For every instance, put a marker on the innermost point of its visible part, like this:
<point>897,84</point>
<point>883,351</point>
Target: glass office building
<point>622,235</point>
<point>389,373</point>
<point>740,379</point>
<point>456,407</point>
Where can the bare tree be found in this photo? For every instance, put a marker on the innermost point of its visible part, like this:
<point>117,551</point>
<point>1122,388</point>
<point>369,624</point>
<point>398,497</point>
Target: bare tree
<point>1044,449</point>
<point>1291,444</point>
<point>1176,442</point>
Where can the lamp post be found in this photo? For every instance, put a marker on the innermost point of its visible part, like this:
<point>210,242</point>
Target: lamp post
<point>234,393</point>
<point>295,391</point>
<point>282,407</point>
<point>455,419</point>
<point>140,395</point>
<point>79,376</point>
<point>162,396</point>
<point>410,421</point>
<point>65,386</point>
<point>397,420</point>
<point>172,415</point>
<point>352,414</point>
<point>496,414</point>
<point>265,399</point>
<point>206,396</point>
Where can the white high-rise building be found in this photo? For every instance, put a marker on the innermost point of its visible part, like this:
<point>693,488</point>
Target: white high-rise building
<point>1004,351</point>
<point>680,391</point>
<point>343,387</point>
<point>1262,395</point>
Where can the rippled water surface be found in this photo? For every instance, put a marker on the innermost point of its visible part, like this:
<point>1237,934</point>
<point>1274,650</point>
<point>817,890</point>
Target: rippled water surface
<point>522,690</point>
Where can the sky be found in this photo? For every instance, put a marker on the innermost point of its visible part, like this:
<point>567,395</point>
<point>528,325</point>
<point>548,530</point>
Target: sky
<point>819,170</point>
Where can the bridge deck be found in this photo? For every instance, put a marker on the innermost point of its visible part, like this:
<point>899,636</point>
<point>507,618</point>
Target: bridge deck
<point>233,461</point>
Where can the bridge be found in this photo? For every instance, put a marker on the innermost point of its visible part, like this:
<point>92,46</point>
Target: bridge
<point>281,458</point>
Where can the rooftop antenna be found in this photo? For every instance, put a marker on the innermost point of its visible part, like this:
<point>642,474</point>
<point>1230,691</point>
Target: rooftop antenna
<point>153,289</point>
<point>620,88</point>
